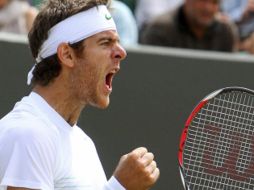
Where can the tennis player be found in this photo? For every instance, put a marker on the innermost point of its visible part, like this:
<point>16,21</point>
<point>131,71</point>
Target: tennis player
<point>77,52</point>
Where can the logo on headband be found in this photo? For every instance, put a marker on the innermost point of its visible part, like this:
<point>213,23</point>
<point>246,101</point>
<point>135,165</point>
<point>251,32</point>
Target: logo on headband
<point>108,16</point>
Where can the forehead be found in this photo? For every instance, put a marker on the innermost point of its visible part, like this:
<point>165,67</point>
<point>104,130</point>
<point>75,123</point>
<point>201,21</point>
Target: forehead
<point>112,34</point>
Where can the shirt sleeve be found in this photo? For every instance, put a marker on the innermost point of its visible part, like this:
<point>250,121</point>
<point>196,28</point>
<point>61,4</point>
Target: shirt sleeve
<point>26,159</point>
<point>113,184</point>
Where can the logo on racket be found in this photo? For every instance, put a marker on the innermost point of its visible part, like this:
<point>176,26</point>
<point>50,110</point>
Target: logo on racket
<point>217,144</point>
<point>236,171</point>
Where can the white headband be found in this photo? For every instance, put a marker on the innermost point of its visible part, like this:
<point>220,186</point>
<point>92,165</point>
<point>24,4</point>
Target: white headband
<point>74,29</point>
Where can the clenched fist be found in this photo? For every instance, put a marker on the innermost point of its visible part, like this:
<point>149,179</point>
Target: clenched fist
<point>137,170</point>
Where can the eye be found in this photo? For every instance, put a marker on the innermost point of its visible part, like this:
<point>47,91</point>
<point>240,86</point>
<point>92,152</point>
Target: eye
<point>105,42</point>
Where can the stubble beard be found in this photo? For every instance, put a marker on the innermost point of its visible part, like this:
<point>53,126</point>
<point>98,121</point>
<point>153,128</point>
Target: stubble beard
<point>87,92</point>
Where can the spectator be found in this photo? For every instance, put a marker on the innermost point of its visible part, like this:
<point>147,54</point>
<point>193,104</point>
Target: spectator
<point>125,23</point>
<point>242,13</point>
<point>16,16</point>
<point>192,25</point>
<point>148,9</point>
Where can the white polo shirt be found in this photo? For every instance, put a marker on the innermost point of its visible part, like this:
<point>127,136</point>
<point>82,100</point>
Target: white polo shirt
<point>40,150</point>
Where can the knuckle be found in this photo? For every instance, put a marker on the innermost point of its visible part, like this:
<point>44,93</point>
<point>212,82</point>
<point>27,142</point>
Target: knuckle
<point>140,150</point>
<point>151,155</point>
<point>147,173</point>
<point>141,164</point>
<point>123,157</point>
<point>154,176</point>
<point>133,156</point>
<point>144,149</point>
<point>151,179</point>
<point>154,163</point>
<point>156,173</point>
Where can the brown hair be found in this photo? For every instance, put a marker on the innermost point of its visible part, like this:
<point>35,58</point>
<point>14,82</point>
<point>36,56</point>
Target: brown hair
<point>51,13</point>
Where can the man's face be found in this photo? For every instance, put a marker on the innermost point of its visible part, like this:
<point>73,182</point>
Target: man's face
<point>202,12</point>
<point>94,71</point>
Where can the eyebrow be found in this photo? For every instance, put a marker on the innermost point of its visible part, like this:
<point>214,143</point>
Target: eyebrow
<point>108,39</point>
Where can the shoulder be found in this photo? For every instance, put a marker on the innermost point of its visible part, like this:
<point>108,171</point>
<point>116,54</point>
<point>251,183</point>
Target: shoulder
<point>227,32</point>
<point>23,127</point>
<point>160,29</point>
<point>30,140</point>
<point>163,24</point>
<point>225,27</point>
<point>28,136</point>
<point>27,152</point>
<point>166,19</point>
<point>26,126</point>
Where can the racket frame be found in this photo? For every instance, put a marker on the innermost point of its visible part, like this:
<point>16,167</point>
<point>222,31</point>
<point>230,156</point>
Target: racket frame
<point>198,107</point>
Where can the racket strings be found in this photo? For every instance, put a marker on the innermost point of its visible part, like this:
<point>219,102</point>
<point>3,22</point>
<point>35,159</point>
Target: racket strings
<point>217,157</point>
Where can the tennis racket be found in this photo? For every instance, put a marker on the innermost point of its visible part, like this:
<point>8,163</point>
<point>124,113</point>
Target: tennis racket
<point>217,144</point>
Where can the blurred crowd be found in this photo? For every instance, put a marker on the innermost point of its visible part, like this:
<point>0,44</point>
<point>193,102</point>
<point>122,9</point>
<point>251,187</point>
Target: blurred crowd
<point>16,16</point>
<point>216,25</point>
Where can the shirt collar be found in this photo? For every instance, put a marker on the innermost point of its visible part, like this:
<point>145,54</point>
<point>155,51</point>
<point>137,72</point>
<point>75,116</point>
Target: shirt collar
<point>49,112</point>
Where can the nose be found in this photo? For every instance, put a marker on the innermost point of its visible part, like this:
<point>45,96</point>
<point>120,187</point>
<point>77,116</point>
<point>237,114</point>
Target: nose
<point>119,52</point>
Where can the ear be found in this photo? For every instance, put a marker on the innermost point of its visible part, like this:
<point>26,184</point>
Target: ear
<point>65,55</point>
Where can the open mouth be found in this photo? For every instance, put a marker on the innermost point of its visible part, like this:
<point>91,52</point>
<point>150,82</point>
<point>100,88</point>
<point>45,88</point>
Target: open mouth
<point>108,80</point>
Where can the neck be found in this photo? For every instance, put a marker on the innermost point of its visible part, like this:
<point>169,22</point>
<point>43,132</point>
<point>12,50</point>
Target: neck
<point>61,101</point>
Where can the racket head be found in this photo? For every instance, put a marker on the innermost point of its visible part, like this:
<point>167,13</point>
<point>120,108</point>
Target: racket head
<point>216,148</point>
